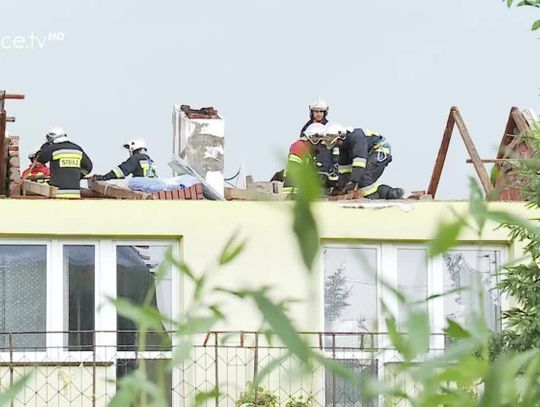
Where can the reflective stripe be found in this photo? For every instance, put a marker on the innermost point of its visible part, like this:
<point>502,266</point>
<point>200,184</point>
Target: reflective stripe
<point>370,189</point>
<point>345,169</point>
<point>333,177</point>
<point>370,133</point>
<point>295,159</point>
<point>68,194</point>
<point>335,151</point>
<point>359,162</point>
<point>287,190</point>
<point>66,153</point>
<point>118,172</point>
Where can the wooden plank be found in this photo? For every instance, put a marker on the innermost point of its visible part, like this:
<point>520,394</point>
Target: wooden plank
<point>520,121</point>
<point>250,195</point>
<point>469,145</point>
<point>168,195</point>
<point>36,188</point>
<point>187,193</point>
<point>494,160</point>
<point>441,156</point>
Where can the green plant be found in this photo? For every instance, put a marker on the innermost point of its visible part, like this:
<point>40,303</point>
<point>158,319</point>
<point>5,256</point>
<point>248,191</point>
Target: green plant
<point>526,3</point>
<point>261,397</point>
<point>300,401</point>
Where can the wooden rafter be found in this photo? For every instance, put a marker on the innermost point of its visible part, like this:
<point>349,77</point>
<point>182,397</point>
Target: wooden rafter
<point>456,120</point>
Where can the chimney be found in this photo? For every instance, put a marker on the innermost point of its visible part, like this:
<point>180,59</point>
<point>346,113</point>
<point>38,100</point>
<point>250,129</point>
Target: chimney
<point>198,138</point>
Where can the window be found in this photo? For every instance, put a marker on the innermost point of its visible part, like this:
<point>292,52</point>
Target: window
<point>352,295</point>
<point>136,268</point>
<point>350,289</point>
<point>474,270</point>
<point>412,279</point>
<point>79,295</point>
<point>23,292</point>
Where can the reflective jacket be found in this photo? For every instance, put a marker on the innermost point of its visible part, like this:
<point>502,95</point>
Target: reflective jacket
<point>68,164</point>
<point>302,151</point>
<point>138,165</point>
<point>360,147</point>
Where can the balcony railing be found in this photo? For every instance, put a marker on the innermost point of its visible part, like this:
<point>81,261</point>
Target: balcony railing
<point>82,368</point>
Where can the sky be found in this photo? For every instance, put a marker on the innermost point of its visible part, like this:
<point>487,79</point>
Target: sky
<point>111,71</point>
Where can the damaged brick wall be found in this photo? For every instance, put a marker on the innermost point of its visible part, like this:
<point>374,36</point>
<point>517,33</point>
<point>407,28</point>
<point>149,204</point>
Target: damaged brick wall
<point>13,166</point>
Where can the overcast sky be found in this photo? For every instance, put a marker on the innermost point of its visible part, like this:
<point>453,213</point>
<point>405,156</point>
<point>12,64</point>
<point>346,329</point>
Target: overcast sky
<point>116,68</point>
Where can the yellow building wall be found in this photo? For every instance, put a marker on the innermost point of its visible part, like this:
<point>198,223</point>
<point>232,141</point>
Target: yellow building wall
<point>271,256</point>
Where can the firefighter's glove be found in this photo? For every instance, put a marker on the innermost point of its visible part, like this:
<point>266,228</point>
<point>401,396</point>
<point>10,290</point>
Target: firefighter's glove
<point>99,177</point>
<point>349,186</point>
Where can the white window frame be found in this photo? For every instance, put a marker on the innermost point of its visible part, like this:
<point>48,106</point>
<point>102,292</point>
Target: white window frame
<point>387,271</point>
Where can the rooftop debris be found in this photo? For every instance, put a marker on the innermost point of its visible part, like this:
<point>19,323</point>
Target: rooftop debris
<point>512,148</point>
<point>198,152</point>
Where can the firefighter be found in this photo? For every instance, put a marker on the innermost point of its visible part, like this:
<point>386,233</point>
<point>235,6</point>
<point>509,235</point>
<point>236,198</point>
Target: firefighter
<point>36,171</point>
<point>310,149</point>
<point>318,111</point>
<point>68,163</point>
<point>363,156</point>
<point>139,163</point>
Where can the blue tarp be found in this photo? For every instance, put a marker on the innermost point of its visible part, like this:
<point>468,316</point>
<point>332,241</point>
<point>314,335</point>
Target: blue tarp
<point>161,184</point>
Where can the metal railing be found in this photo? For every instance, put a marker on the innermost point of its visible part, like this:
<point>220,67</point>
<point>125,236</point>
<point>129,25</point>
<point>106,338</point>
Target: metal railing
<point>65,373</point>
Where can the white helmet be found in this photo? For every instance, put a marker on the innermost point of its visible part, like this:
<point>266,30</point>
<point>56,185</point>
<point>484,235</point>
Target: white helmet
<point>319,104</point>
<point>135,145</point>
<point>336,129</point>
<point>314,132</point>
<point>55,133</point>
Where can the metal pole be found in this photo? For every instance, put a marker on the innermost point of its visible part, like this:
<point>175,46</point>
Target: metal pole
<point>333,373</point>
<point>216,372</point>
<point>256,366</point>
<point>93,368</point>
<point>11,369</point>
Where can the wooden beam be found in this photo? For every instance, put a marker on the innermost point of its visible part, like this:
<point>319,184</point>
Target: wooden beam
<point>36,188</point>
<point>494,160</point>
<point>250,195</point>
<point>441,156</point>
<point>469,145</point>
<point>521,123</point>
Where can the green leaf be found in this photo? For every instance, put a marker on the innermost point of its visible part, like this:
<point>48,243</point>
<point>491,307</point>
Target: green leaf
<point>202,397</point>
<point>456,331</point>
<point>536,25</point>
<point>477,205</point>
<point>397,339</point>
<point>197,325</point>
<point>231,250</point>
<point>418,333</point>
<point>308,189</point>
<point>493,384</point>
<point>445,238</point>
<point>514,220</point>
<point>282,326</point>
<point>10,394</point>
<point>269,368</point>
<point>142,315</point>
